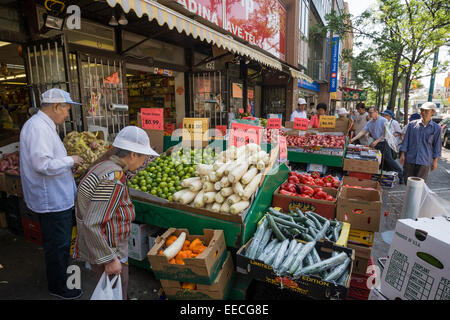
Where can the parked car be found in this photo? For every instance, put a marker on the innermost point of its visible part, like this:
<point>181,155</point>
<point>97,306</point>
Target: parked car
<point>445,125</point>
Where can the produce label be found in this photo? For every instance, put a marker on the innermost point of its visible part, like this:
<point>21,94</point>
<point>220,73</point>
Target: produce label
<point>327,122</point>
<point>152,118</point>
<point>242,134</point>
<point>274,123</point>
<point>195,129</point>
<point>283,148</point>
<point>301,124</point>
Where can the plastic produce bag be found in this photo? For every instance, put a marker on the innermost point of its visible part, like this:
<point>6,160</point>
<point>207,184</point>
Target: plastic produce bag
<point>390,138</point>
<point>105,289</point>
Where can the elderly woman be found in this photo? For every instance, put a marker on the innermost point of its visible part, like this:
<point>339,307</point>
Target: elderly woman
<point>315,119</point>
<point>104,211</point>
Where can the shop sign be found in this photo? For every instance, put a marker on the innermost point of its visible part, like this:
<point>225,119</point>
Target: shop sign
<point>334,64</point>
<point>195,129</point>
<point>274,123</point>
<point>152,118</point>
<point>163,72</point>
<point>305,84</point>
<point>259,22</point>
<point>355,95</point>
<point>301,124</point>
<point>328,122</point>
<point>273,115</point>
<point>237,90</point>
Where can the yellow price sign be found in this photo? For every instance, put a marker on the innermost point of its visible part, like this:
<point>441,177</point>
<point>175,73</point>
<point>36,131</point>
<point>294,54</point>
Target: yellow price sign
<point>327,122</point>
<point>195,129</point>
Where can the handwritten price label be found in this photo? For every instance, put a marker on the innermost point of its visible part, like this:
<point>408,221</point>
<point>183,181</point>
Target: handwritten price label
<point>283,148</point>
<point>152,118</point>
<point>239,137</point>
<point>327,122</point>
<point>195,128</point>
<point>274,123</point>
<point>301,124</point>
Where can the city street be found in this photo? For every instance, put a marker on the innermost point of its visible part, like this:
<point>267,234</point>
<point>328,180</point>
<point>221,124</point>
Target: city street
<point>23,272</point>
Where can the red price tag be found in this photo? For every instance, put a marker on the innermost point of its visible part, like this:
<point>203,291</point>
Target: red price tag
<point>301,124</point>
<point>239,137</point>
<point>241,110</point>
<point>283,148</point>
<point>152,118</point>
<point>222,129</point>
<point>274,123</point>
<point>169,127</point>
<point>251,130</point>
<point>249,109</point>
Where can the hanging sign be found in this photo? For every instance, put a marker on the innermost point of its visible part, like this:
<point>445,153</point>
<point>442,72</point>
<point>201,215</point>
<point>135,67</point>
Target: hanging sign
<point>328,122</point>
<point>301,124</point>
<point>283,148</point>
<point>237,90</point>
<point>152,118</point>
<point>273,123</point>
<point>195,129</point>
<point>112,79</point>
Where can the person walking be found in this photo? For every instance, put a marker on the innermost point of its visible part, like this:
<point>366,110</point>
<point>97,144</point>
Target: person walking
<point>393,125</point>
<point>315,119</point>
<point>300,112</point>
<point>414,116</point>
<point>422,145</point>
<point>375,127</point>
<point>343,121</point>
<point>49,187</point>
<point>361,119</point>
<point>104,210</point>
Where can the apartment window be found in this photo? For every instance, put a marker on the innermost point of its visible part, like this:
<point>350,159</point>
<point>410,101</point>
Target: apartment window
<point>304,17</point>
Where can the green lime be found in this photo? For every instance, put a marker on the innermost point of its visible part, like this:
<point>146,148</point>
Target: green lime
<point>170,198</point>
<point>153,191</point>
<point>144,188</point>
<point>172,189</point>
<point>163,184</point>
<point>178,188</point>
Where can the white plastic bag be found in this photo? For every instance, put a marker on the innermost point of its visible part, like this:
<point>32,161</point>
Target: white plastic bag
<point>105,289</point>
<point>390,138</point>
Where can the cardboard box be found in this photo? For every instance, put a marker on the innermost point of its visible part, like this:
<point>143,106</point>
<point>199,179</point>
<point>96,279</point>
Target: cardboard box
<point>364,166</point>
<point>361,237</point>
<point>202,269</point>
<point>138,241</point>
<point>311,286</point>
<point>325,208</point>
<point>361,208</point>
<point>362,257</point>
<point>352,181</point>
<point>219,290</point>
<point>13,185</point>
<point>376,294</point>
<point>2,182</point>
<point>418,265</point>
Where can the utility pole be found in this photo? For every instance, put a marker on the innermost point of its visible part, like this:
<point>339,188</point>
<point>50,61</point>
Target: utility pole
<point>433,75</point>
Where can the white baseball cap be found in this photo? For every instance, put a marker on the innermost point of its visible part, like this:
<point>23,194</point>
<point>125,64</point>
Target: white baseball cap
<point>56,95</point>
<point>342,111</point>
<point>134,139</point>
<point>301,101</point>
<point>428,106</point>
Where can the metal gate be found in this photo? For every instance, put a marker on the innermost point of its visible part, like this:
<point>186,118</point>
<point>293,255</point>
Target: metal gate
<point>46,65</point>
<point>103,92</point>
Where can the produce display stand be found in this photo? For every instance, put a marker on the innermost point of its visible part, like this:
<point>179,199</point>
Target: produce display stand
<point>317,158</point>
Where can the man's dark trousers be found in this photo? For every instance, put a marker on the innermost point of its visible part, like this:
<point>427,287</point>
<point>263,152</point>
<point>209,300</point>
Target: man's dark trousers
<point>56,228</point>
<point>388,159</point>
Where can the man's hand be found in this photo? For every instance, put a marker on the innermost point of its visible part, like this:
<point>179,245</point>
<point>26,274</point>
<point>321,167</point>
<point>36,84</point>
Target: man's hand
<point>114,267</point>
<point>402,159</point>
<point>373,144</point>
<point>434,164</point>
<point>77,161</point>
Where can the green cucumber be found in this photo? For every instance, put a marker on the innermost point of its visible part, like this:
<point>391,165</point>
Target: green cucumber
<point>271,256</point>
<point>267,249</point>
<point>290,259</point>
<point>281,215</point>
<point>312,232</point>
<point>300,213</point>
<point>339,270</point>
<point>309,260</point>
<point>304,251</point>
<point>315,256</point>
<point>318,216</point>
<point>251,252</point>
<point>280,255</point>
<point>324,264</point>
<point>264,241</point>
<point>307,237</point>
<point>275,228</point>
<point>335,234</point>
<point>342,279</point>
<point>321,233</point>
<point>287,223</point>
<point>294,232</point>
<point>314,219</point>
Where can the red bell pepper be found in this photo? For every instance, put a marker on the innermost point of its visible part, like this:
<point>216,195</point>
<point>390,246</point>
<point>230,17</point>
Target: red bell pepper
<point>321,195</point>
<point>294,194</point>
<point>329,198</point>
<point>315,175</point>
<point>307,190</point>
<point>293,179</point>
<point>316,190</point>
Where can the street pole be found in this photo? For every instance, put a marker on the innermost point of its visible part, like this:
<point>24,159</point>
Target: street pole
<point>433,75</point>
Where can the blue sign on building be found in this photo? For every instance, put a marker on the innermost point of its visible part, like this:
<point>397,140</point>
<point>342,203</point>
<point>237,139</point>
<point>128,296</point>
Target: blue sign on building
<point>305,84</point>
<point>334,65</point>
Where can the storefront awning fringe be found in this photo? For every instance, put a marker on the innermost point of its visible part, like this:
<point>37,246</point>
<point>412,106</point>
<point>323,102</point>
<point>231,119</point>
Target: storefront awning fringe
<point>173,19</point>
<point>300,75</point>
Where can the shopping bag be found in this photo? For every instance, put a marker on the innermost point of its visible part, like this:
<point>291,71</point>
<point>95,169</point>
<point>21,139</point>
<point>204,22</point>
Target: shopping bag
<point>105,289</point>
<point>390,138</point>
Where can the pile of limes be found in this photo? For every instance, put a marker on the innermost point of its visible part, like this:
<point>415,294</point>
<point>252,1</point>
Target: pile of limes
<point>163,176</point>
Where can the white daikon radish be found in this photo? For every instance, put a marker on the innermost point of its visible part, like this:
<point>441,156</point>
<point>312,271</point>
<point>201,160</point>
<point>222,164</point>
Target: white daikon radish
<point>238,188</point>
<point>219,198</point>
<point>176,196</point>
<point>187,197</point>
<point>208,186</point>
<point>224,182</point>
<point>253,148</point>
<point>217,186</point>
<point>257,156</point>
<point>208,206</point>
<point>239,207</point>
<point>172,250</point>
<point>238,172</point>
<point>217,165</point>
<point>216,207</point>
<point>187,182</point>
<point>205,178</point>
<point>226,192</point>
<point>209,197</point>
<point>225,208</point>
<point>261,165</point>
<point>250,189</point>
<point>266,159</point>
<point>212,176</point>
<point>221,170</point>
<point>204,169</point>
<point>196,186</point>
<point>241,152</point>
<point>233,199</point>
<point>230,167</point>
<point>249,175</point>
<point>198,201</point>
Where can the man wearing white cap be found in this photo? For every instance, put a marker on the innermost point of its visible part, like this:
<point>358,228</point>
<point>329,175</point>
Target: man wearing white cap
<point>48,186</point>
<point>300,112</point>
<point>104,210</point>
<point>346,123</point>
<point>421,147</point>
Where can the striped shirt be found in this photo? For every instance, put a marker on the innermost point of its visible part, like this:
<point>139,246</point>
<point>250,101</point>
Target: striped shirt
<point>104,213</point>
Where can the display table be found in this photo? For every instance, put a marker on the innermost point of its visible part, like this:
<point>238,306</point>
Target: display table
<point>317,158</point>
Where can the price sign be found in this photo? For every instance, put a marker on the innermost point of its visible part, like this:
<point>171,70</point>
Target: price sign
<point>241,110</point>
<point>301,124</point>
<point>169,127</point>
<point>222,129</point>
<point>195,129</point>
<point>242,134</point>
<point>327,122</point>
<point>274,123</point>
<point>283,148</point>
<point>152,118</point>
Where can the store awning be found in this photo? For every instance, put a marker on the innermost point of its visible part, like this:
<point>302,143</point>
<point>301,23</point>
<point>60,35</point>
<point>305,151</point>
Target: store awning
<point>300,75</point>
<point>181,23</point>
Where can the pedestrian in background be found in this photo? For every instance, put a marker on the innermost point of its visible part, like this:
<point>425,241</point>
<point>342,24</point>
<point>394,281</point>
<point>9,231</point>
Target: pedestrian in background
<point>421,148</point>
<point>300,112</point>
<point>315,119</point>
<point>49,187</point>
<point>414,116</point>
<point>104,210</point>
<point>343,120</point>
<point>361,119</point>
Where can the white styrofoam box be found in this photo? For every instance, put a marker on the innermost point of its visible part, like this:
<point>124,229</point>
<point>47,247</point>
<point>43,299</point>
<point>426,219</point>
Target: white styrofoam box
<point>418,264</point>
<point>138,245</point>
<point>9,148</point>
<point>376,294</point>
